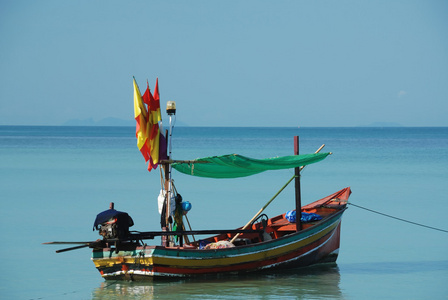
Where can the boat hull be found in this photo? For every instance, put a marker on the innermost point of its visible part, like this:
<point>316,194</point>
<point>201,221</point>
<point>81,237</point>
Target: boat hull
<point>316,244</point>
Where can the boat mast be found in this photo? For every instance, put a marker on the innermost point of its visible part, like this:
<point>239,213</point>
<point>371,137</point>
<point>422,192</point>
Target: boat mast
<point>297,188</point>
<point>166,176</point>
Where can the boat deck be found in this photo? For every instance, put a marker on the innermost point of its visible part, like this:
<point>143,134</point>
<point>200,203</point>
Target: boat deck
<point>275,228</point>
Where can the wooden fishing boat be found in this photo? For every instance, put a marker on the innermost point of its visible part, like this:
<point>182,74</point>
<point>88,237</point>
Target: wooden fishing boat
<point>274,244</point>
<point>286,241</point>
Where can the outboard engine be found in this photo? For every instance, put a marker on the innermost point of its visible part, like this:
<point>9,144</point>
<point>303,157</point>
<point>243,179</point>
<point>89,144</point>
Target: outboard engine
<point>113,224</point>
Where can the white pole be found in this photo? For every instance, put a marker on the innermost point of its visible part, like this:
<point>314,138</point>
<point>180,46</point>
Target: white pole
<point>169,171</point>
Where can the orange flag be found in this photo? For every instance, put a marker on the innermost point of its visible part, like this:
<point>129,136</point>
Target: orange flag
<point>152,126</point>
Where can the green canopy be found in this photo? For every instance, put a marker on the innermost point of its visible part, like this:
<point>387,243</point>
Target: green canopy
<point>234,165</point>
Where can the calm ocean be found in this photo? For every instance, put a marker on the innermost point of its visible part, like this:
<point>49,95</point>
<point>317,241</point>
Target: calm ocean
<point>54,180</point>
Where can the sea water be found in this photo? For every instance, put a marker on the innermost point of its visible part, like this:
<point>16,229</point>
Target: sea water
<point>54,180</point>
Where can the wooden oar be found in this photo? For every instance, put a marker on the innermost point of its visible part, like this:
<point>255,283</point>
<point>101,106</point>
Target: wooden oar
<point>71,248</point>
<point>272,199</point>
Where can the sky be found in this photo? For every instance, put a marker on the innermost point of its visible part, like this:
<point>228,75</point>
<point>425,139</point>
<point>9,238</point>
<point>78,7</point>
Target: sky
<point>227,63</point>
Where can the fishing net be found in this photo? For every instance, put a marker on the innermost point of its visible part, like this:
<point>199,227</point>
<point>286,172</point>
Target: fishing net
<point>234,165</point>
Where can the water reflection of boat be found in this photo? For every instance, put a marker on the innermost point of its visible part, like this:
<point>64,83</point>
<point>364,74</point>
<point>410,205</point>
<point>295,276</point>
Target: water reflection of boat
<point>316,282</point>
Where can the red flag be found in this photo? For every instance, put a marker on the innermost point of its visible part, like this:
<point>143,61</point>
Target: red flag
<point>157,101</point>
<point>147,97</point>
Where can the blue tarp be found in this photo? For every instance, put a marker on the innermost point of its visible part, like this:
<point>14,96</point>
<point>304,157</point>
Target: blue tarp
<point>306,217</point>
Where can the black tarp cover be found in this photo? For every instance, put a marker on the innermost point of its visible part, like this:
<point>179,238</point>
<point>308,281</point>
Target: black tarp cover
<point>109,214</point>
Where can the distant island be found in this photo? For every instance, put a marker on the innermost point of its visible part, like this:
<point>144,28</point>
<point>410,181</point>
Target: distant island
<point>382,124</point>
<point>106,122</point>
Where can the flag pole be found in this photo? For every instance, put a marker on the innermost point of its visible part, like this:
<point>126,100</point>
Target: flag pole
<point>171,111</point>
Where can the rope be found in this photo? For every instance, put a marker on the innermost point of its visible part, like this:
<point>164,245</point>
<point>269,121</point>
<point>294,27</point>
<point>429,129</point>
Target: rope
<point>403,220</point>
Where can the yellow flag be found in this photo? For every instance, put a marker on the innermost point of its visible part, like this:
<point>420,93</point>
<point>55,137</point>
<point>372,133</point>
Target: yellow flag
<point>140,115</point>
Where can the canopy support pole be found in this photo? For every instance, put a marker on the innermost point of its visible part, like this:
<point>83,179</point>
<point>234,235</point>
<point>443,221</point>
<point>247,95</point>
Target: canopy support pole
<point>286,184</point>
<point>297,188</point>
